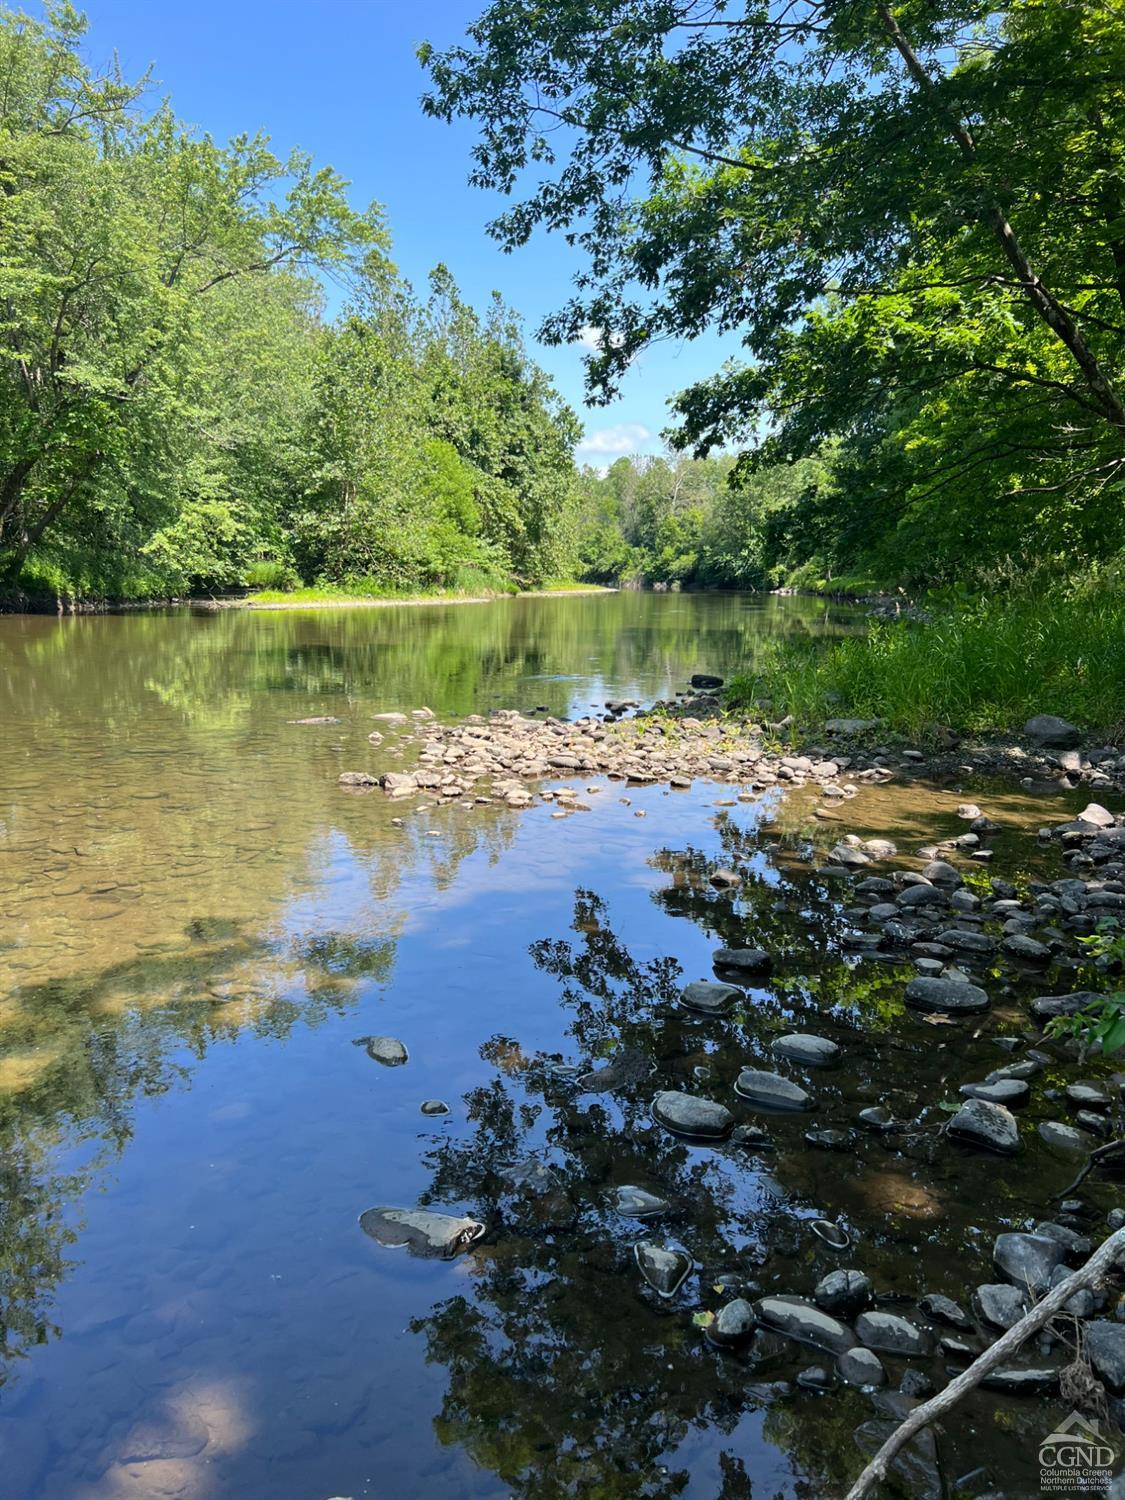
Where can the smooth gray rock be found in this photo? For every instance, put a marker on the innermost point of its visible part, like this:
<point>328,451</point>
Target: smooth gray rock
<point>944,1310</point>
<point>1015,1381</point>
<point>772,1091</point>
<point>1048,1006</point>
<point>1105,1344</point>
<point>998,1304</point>
<point>861,1367</point>
<point>421,1230</point>
<point>434,1107</point>
<point>664,1268</point>
<point>892,1334</point>
<point>945,996</point>
<point>709,998</point>
<point>1010,1092</point>
<point>844,1292</point>
<point>639,1203</point>
<point>744,960</point>
<point>387,1050</point>
<point>1027,1260</point>
<point>990,1127</point>
<point>941,872</point>
<point>1087,1095</point>
<point>805,1322</point>
<point>733,1323</point>
<point>1052,732</point>
<point>1066,1138</point>
<point>815,1051</point>
<point>967,940</point>
<point>921,895</point>
<point>687,1114</point>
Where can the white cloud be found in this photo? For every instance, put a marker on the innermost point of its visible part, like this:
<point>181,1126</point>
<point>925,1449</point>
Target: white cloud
<point>624,437</point>
<point>591,337</point>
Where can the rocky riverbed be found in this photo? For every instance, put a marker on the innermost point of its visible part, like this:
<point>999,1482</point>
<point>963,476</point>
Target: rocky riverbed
<point>930,1068</point>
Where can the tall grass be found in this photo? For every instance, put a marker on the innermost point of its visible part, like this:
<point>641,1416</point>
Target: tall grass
<point>983,665</point>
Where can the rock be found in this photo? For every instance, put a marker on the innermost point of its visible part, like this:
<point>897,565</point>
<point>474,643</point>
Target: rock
<point>969,811</point>
<point>945,996</point>
<point>421,1230</point>
<point>914,1471</point>
<point>398,783</point>
<point>1086,1095</point>
<point>726,879</point>
<point>1011,1092</point>
<point>391,718</point>
<point>639,1203</point>
<point>356,778</point>
<point>916,1384</point>
<point>734,1323</point>
<point>829,1140</point>
<point>1021,1382</point>
<point>988,1126</point>
<point>1098,815</point>
<point>704,681</point>
<point>387,1050</point>
<point>940,872</point>
<point>771,1091</point>
<point>710,999</point>
<point>848,856</point>
<point>892,1334</point>
<point>628,1068</point>
<point>832,1234</point>
<point>844,1292</point>
<point>1066,1138</point>
<point>316,719</point>
<point>745,960</point>
<point>664,1269</point>
<point>1027,1260</point>
<point>1052,732</point>
<point>1105,1345</point>
<point>1002,1306</point>
<point>804,1321</point>
<point>434,1107</point>
<point>967,940</point>
<point>912,896</point>
<point>1026,949</point>
<point>944,1310</point>
<point>861,1367</point>
<point>850,726</point>
<point>813,1051</point>
<point>878,1119</point>
<point>815,1378</point>
<point>1046,1007</point>
<point>687,1114</point>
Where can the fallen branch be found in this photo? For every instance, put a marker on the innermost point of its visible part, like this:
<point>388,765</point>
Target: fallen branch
<point>1087,1277</point>
<point>1111,1148</point>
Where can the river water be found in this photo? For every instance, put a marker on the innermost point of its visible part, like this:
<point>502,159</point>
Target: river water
<point>196,924</point>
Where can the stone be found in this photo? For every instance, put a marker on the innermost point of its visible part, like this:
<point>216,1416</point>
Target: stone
<point>664,1268</point>
<point>944,1310</point>
<point>814,1051</point>
<point>705,681</point>
<point>1046,1007</point>
<point>626,1069</point>
<point>861,1366</point>
<point>687,1114</point>
<point>639,1203</point>
<point>914,1471</point>
<point>878,1119</point>
<point>844,1292</point>
<point>921,895</point>
<point>850,726</point>
<point>726,879</point>
<point>1002,1306</point>
<point>1098,815</point>
<point>1105,1346</point>
<point>990,1127</point>
<point>1021,1382</point>
<point>1066,1138</point>
<point>391,718</point>
<point>421,1230</point>
<point>1087,1095</point>
<point>387,1050</point>
<point>892,1334</point>
<point>1011,1092</point>
<point>745,960</point>
<point>967,940</point>
<point>356,778</point>
<point>916,1384</point>
<point>1027,1260</point>
<point>734,1323</point>
<point>941,872</point>
<point>1026,949</point>
<point>799,1319</point>
<point>945,996</point>
<point>772,1091</point>
<point>434,1107</point>
<point>709,998</point>
<point>815,1378</point>
<point>1052,732</point>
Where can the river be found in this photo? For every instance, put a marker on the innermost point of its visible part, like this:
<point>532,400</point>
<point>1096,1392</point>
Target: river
<point>197,924</point>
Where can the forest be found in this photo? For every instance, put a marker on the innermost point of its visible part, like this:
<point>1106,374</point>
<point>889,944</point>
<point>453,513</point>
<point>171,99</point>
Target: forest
<point>213,377</point>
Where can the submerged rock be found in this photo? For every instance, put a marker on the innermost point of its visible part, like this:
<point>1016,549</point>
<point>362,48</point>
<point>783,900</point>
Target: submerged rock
<point>421,1230</point>
<point>990,1127</point>
<point>639,1203</point>
<point>665,1270</point>
<point>892,1334</point>
<point>815,1051</point>
<point>387,1050</point>
<point>709,998</point>
<point>745,960</point>
<point>1105,1344</point>
<point>861,1366</point>
<point>687,1114</point>
<point>771,1091</point>
<point>627,1068</point>
<point>805,1322</point>
<point>945,996</point>
<point>944,1310</point>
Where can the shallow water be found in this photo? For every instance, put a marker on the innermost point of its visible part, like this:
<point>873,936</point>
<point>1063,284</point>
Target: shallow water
<point>196,924</point>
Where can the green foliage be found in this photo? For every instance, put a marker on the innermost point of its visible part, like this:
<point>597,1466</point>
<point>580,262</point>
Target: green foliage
<point>1101,1026</point>
<point>912,216</point>
<point>987,663</point>
<point>173,407</point>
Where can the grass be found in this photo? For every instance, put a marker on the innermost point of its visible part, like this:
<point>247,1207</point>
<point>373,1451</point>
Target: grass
<point>985,665</point>
<point>468,584</point>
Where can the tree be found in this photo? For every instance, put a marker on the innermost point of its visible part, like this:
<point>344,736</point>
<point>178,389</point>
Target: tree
<point>905,211</point>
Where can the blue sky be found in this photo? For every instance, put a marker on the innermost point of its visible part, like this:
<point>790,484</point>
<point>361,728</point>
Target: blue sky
<point>340,79</point>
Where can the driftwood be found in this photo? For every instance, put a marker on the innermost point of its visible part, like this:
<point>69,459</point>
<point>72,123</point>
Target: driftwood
<point>1008,1344</point>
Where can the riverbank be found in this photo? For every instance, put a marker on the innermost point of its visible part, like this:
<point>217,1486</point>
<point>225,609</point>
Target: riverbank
<point>320,599</point>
